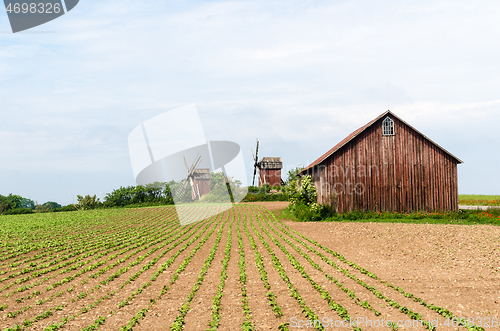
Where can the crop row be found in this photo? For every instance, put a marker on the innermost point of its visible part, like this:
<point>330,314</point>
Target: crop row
<point>82,295</point>
<point>341,311</point>
<point>413,315</point>
<point>111,248</point>
<point>142,313</point>
<point>84,245</point>
<point>20,239</point>
<point>349,292</point>
<point>116,269</point>
<point>247,324</point>
<point>216,300</point>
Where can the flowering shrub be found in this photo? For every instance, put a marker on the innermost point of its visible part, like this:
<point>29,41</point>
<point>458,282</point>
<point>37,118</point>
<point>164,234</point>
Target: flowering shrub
<point>303,202</point>
<point>305,194</point>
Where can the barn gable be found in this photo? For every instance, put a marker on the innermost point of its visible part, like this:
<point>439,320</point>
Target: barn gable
<point>386,165</point>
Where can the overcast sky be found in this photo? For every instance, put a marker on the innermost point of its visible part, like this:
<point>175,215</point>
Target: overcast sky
<point>298,75</point>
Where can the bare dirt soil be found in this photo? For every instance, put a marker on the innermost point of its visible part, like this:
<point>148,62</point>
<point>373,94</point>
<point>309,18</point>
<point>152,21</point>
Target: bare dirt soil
<point>452,266</point>
<point>455,267</point>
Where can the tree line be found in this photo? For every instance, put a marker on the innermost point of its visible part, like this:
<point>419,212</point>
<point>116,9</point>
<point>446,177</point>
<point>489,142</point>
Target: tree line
<point>158,193</point>
<point>16,204</point>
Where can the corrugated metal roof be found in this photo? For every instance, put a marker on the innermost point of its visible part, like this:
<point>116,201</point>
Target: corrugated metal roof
<point>357,132</point>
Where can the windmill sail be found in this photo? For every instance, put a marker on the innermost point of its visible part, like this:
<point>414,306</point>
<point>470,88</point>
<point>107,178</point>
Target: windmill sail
<point>180,193</point>
<point>256,163</point>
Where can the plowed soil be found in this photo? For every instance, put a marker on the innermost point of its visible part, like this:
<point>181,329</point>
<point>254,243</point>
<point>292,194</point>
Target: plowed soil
<point>371,272</point>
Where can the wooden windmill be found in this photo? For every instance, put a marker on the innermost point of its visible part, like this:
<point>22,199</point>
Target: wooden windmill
<point>269,169</point>
<point>189,179</point>
<point>201,183</point>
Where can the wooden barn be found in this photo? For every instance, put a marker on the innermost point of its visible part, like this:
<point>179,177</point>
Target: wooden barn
<point>386,165</point>
<point>270,171</point>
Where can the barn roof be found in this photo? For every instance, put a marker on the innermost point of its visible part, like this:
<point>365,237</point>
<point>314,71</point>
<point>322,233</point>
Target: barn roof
<point>359,131</point>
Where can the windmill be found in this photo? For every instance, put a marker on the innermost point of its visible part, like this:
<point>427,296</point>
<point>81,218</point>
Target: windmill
<point>256,164</point>
<point>189,179</point>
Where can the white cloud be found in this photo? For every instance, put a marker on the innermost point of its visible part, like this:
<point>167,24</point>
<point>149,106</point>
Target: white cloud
<point>299,76</point>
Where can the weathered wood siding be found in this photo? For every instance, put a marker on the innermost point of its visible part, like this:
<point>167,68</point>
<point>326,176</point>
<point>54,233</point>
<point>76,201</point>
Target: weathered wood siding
<point>271,176</point>
<point>403,173</point>
<point>203,187</point>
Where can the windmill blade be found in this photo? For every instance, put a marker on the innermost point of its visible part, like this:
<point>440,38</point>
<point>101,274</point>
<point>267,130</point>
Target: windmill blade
<point>254,167</point>
<point>254,173</point>
<point>193,188</point>
<point>182,189</point>
<point>189,179</point>
<point>257,152</point>
<point>261,175</point>
<point>198,162</point>
<point>256,164</point>
<point>197,191</point>
<point>193,167</point>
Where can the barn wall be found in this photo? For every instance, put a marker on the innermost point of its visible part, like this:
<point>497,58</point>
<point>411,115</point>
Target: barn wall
<point>402,173</point>
<point>272,177</point>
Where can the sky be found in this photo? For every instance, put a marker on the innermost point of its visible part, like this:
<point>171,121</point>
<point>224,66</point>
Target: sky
<point>297,75</point>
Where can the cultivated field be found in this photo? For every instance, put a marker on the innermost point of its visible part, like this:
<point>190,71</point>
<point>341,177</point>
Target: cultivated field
<point>242,270</point>
<point>479,200</point>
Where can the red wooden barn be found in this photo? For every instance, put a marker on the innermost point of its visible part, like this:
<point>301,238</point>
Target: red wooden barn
<point>386,165</point>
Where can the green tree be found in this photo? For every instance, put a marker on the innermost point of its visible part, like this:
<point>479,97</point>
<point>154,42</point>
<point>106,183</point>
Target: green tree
<point>41,208</point>
<point>26,203</point>
<point>15,199</point>
<point>292,174</point>
<point>292,180</point>
<point>87,202</point>
<point>52,204</point>
<point>5,204</point>
<point>158,192</point>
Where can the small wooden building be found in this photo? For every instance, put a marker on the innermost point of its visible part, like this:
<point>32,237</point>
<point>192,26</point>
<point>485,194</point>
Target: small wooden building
<point>270,171</point>
<point>201,183</point>
<point>386,165</point>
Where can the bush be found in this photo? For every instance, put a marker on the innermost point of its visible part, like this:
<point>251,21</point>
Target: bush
<point>88,202</point>
<point>145,204</point>
<point>65,208</point>
<point>250,197</point>
<point>254,189</point>
<point>303,202</point>
<point>18,211</point>
<point>311,213</point>
<point>494,211</point>
<point>158,193</point>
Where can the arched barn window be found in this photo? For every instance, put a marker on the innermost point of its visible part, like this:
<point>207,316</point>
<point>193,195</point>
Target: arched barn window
<point>388,127</point>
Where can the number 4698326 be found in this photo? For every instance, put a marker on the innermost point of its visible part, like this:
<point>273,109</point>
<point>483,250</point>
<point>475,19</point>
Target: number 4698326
<point>33,8</point>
